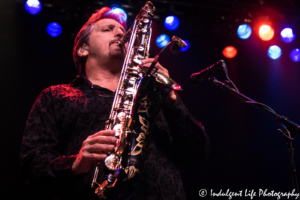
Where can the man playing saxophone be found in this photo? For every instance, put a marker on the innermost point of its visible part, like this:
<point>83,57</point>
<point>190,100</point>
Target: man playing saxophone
<point>64,138</point>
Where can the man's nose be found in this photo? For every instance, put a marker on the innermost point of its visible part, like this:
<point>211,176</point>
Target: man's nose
<point>118,33</point>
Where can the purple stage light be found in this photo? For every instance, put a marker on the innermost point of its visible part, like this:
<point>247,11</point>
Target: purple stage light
<point>287,35</point>
<point>295,55</point>
<point>54,29</point>
<point>33,6</point>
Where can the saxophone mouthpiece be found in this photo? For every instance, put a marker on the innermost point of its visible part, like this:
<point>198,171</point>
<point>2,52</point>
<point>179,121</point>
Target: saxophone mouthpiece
<point>121,42</point>
<point>125,37</point>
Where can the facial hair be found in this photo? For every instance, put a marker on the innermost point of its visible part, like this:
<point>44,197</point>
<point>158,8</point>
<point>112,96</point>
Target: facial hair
<point>117,50</point>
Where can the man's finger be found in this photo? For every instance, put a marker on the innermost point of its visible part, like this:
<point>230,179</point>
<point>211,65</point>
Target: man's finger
<point>101,139</point>
<point>147,60</point>
<point>100,148</point>
<point>104,133</point>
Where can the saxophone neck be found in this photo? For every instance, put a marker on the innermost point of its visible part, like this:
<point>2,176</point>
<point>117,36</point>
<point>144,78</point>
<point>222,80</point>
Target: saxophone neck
<point>146,12</point>
<point>125,37</point>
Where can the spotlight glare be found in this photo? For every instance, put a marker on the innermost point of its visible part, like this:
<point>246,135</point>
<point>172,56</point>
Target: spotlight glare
<point>266,32</point>
<point>162,40</point>
<point>171,22</point>
<point>33,6</point>
<point>287,35</point>
<point>229,52</point>
<point>274,52</point>
<point>295,55</point>
<point>244,31</point>
<point>182,49</point>
<point>119,11</point>
<point>54,29</point>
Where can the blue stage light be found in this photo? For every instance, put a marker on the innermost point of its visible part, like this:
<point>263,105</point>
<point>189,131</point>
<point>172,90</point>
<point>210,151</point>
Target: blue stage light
<point>295,55</point>
<point>33,6</point>
<point>274,52</point>
<point>244,31</point>
<point>185,48</point>
<point>54,29</point>
<point>118,10</point>
<point>287,35</point>
<point>162,40</point>
<point>171,22</point>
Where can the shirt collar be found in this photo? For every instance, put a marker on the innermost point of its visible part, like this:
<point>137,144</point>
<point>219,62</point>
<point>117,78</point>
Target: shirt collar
<point>79,80</point>
<point>83,80</point>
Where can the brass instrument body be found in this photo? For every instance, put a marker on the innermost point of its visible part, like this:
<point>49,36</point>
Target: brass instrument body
<point>137,101</point>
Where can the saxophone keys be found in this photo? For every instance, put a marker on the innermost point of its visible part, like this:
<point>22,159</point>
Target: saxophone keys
<point>131,81</point>
<point>118,129</point>
<point>141,49</point>
<point>103,185</point>
<point>121,116</point>
<point>137,69</point>
<point>137,61</point>
<point>117,170</point>
<point>118,109</point>
<point>121,145</point>
<point>144,30</point>
<point>113,185</point>
<point>110,162</point>
<point>129,91</point>
<point>146,21</point>
<point>126,105</point>
<point>134,73</point>
<point>106,124</point>
<point>100,188</point>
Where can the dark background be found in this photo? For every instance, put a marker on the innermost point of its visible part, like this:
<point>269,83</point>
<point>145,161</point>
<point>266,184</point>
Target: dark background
<point>247,152</point>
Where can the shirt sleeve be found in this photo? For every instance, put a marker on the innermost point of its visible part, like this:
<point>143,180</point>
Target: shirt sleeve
<point>41,159</point>
<point>188,142</point>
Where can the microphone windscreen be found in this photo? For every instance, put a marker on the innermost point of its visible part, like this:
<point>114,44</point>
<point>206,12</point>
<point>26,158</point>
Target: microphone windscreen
<point>175,48</point>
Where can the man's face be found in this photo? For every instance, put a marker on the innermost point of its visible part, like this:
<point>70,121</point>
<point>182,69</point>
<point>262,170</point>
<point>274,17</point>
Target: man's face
<point>104,38</point>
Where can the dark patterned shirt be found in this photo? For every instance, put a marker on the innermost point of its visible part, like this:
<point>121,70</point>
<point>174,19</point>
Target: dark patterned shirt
<point>63,116</point>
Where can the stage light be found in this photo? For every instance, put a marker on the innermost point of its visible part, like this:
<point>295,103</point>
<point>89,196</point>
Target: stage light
<point>54,29</point>
<point>118,11</point>
<point>162,40</point>
<point>287,35</point>
<point>182,49</point>
<point>171,22</point>
<point>274,52</point>
<point>229,52</point>
<point>266,32</point>
<point>295,55</point>
<point>33,6</point>
<point>244,31</point>
<point>176,87</point>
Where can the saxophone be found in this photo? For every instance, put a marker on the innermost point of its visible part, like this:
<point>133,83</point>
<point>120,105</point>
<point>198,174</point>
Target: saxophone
<point>137,101</point>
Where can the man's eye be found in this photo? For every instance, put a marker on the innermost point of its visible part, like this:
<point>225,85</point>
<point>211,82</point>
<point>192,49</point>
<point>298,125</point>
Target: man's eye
<point>106,30</point>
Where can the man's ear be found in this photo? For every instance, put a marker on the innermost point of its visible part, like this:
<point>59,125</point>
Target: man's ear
<point>83,50</point>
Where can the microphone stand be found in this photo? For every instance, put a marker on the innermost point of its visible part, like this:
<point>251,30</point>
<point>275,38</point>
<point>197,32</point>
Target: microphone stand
<point>290,127</point>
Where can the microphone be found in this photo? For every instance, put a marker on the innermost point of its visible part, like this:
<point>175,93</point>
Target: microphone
<point>177,44</point>
<point>196,78</point>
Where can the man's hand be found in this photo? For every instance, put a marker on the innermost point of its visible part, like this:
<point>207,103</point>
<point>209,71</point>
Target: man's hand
<point>172,96</point>
<point>93,150</point>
